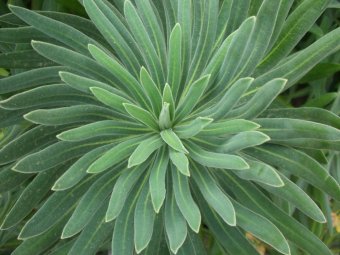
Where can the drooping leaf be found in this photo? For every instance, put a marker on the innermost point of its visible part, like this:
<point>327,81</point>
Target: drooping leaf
<point>184,200</point>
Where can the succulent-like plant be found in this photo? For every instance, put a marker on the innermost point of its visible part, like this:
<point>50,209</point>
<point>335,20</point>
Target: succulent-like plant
<point>147,126</point>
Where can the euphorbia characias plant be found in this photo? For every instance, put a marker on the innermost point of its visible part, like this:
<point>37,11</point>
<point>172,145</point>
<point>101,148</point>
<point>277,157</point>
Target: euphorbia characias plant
<point>153,122</point>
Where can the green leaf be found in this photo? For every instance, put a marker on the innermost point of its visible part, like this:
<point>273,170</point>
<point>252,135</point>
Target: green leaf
<point>102,128</point>
<point>216,160</point>
<point>121,191</point>
<point>297,197</point>
<point>115,32</point>
<point>244,140</point>
<point>157,181</point>
<point>164,119</point>
<point>232,61</point>
<point>192,128</point>
<point>46,96</point>
<point>175,60</point>
<point>170,138</point>
<point>180,161</point>
<point>53,155</point>
<point>193,245</point>
<point>214,195</point>
<point>126,80</point>
<point>295,27</point>
<point>191,98</point>
<point>300,130</point>
<point>260,101</point>
<point>321,71</point>
<point>229,237</point>
<point>110,99</point>
<point>38,244</point>
<point>43,220</point>
<point>29,79</point>
<point>305,113</point>
<point>21,35</point>
<point>262,173</point>
<point>42,135</point>
<point>260,37</point>
<point>90,203</point>
<point>85,84</point>
<point>123,233</point>
<point>96,232</point>
<point>229,99</point>
<point>256,201</point>
<point>168,98</point>
<point>229,127</point>
<point>206,38</point>
<point>152,91</point>
<point>141,115</point>
<point>83,64</point>
<point>144,150</point>
<point>174,222</point>
<point>26,59</point>
<point>148,14</point>
<point>56,29</point>
<point>115,155</point>
<point>298,164</point>
<point>77,171</point>
<point>67,115</point>
<point>32,195</point>
<point>184,200</point>
<point>261,227</point>
<point>144,218</point>
<point>296,66</point>
<point>10,179</point>
<point>141,35</point>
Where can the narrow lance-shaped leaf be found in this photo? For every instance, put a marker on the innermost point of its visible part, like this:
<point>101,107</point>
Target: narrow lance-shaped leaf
<point>244,140</point>
<point>84,84</point>
<point>90,203</point>
<point>164,120</point>
<point>56,29</point>
<point>229,99</point>
<point>144,150</point>
<point>168,97</point>
<point>77,171</point>
<point>214,195</point>
<point>157,181</point>
<point>260,101</point>
<point>192,128</point>
<point>110,99</point>
<point>149,52</point>
<point>115,155</point>
<point>299,164</point>
<point>123,233</point>
<point>127,81</point>
<point>125,183</point>
<point>144,218</point>
<point>141,115</point>
<point>102,128</point>
<point>262,228</point>
<point>184,200</point>
<point>297,197</point>
<point>152,90</point>
<point>175,224</point>
<point>175,60</point>
<point>191,97</point>
<point>217,160</point>
<point>173,140</point>
<point>181,162</point>
<point>262,173</point>
<point>229,127</point>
